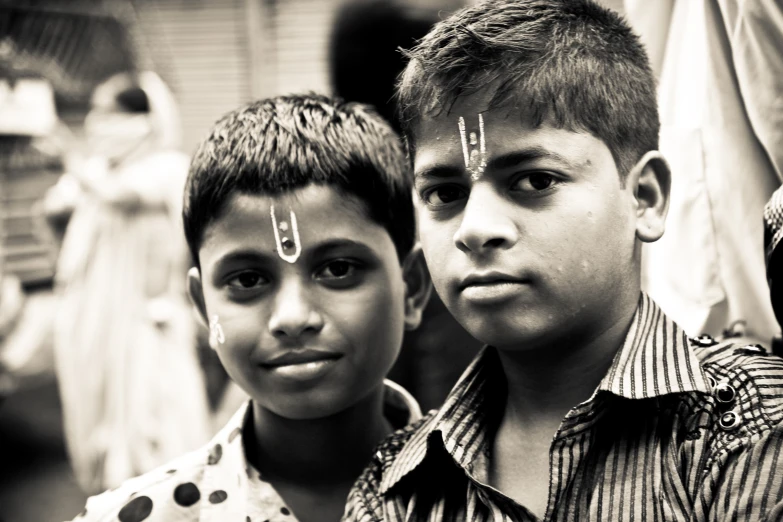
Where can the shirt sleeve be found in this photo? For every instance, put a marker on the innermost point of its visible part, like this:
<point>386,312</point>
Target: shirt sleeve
<point>102,507</point>
<point>158,496</point>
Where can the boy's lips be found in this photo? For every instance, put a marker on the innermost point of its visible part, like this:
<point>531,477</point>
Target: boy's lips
<point>490,287</point>
<point>489,278</point>
<point>301,356</point>
<point>301,365</point>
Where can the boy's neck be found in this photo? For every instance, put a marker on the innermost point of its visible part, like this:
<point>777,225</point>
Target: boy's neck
<point>545,384</point>
<point>320,452</point>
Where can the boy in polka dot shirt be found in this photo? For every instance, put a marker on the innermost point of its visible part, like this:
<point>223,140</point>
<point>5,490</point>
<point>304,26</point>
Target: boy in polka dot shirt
<point>299,217</point>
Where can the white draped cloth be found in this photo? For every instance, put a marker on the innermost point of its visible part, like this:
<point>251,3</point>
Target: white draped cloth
<point>721,102</point>
<point>132,390</point>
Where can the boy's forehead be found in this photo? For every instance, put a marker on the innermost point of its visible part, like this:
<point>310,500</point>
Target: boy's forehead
<point>321,212</point>
<point>449,138</point>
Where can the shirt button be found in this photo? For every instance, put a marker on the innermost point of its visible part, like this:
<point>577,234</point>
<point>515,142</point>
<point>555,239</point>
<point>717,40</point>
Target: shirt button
<point>729,421</point>
<point>704,340</point>
<point>751,349</point>
<point>724,393</point>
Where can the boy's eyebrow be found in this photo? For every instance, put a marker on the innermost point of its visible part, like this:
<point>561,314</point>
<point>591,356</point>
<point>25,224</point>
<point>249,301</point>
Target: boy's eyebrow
<point>320,249</point>
<point>439,171</point>
<point>243,255</point>
<point>515,158</point>
<point>501,162</point>
<point>331,244</point>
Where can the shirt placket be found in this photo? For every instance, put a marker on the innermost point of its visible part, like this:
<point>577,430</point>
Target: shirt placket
<point>570,446</point>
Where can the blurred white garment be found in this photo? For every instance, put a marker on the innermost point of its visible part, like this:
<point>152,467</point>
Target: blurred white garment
<point>721,102</point>
<point>132,390</point>
<point>26,358</point>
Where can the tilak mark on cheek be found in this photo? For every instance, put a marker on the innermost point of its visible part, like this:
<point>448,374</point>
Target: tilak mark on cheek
<point>475,157</point>
<point>216,335</point>
<point>288,249</point>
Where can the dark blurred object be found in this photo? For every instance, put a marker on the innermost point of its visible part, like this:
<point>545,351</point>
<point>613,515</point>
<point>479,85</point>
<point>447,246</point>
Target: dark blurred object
<point>773,234</point>
<point>133,100</point>
<point>363,55</point>
<point>36,481</point>
<point>364,62</point>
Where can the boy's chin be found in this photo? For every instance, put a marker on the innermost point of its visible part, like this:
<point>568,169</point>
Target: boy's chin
<point>315,405</point>
<point>306,412</point>
<point>515,334</point>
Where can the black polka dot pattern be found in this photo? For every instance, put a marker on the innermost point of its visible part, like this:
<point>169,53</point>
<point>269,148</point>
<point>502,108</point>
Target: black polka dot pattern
<point>136,510</point>
<point>214,455</point>
<point>216,497</point>
<point>285,511</point>
<point>187,494</point>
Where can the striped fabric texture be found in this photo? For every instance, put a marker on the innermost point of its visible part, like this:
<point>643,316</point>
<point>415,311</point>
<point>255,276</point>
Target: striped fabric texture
<point>678,430</point>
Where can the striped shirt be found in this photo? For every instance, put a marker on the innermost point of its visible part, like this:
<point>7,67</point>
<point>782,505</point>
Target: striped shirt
<point>678,430</point>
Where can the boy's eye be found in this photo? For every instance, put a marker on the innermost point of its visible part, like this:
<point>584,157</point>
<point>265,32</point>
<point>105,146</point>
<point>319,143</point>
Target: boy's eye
<point>247,280</point>
<point>535,182</point>
<point>339,269</point>
<point>443,195</point>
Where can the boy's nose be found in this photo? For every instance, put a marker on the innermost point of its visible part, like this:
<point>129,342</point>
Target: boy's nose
<point>293,314</point>
<point>484,225</point>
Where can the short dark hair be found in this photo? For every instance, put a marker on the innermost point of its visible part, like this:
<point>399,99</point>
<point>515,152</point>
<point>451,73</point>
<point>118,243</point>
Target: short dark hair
<point>572,63</point>
<point>284,143</point>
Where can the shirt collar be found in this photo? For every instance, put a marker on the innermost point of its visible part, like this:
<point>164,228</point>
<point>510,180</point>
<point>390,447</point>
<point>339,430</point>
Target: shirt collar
<point>226,468</point>
<point>460,423</point>
<point>656,359</point>
<point>400,408</point>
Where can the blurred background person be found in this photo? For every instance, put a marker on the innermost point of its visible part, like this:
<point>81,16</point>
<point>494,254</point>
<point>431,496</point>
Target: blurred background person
<point>132,391</point>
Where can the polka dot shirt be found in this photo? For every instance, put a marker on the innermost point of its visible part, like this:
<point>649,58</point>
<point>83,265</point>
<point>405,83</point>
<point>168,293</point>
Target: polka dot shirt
<point>215,483</point>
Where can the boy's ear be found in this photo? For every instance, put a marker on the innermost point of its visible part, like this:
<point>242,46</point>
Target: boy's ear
<point>650,180</point>
<point>418,287</point>
<point>196,294</point>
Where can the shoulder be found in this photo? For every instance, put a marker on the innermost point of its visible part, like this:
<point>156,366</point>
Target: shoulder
<point>746,375</point>
<point>739,437</point>
<point>400,407</point>
<point>747,392</point>
<point>365,496</point>
<point>157,496</point>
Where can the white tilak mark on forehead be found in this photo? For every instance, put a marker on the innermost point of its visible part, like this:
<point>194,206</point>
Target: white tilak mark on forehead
<point>283,244</point>
<point>461,125</point>
<point>483,143</point>
<point>475,159</point>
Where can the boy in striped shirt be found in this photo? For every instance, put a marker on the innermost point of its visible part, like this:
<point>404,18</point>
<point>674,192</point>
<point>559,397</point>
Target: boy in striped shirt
<point>533,130</point>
